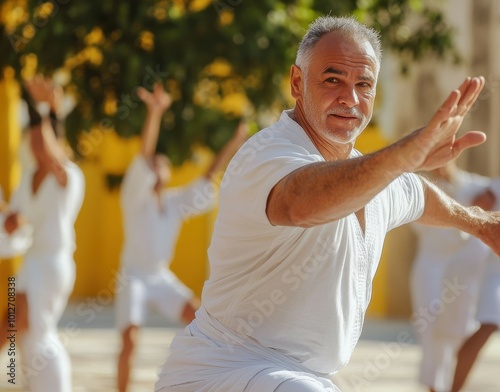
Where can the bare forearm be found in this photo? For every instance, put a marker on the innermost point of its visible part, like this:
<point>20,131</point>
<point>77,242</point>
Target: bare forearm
<point>443,211</point>
<point>45,145</point>
<point>156,102</point>
<point>150,131</point>
<point>323,192</point>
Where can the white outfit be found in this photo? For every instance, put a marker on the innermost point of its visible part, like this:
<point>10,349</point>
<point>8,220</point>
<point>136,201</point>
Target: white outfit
<point>18,242</point>
<point>444,285</point>
<point>47,274</point>
<point>488,308</point>
<point>282,301</point>
<point>151,234</point>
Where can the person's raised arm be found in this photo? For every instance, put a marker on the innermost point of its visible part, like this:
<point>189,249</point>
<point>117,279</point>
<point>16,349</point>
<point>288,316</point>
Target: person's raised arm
<point>42,90</point>
<point>230,148</point>
<point>323,192</point>
<point>46,148</point>
<point>156,102</point>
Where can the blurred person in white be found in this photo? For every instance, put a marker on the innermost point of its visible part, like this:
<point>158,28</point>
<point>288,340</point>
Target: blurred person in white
<point>488,304</point>
<point>302,221</point>
<point>17,242</point>
<point>49,198</point>
<point>153,215</point>
<point>445,279</point>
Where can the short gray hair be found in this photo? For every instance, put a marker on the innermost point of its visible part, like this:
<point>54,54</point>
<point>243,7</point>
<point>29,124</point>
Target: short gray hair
<point>347,26</point>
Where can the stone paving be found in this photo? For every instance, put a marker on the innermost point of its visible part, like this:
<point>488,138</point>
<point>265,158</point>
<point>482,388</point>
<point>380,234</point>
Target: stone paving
<point>386,358</point>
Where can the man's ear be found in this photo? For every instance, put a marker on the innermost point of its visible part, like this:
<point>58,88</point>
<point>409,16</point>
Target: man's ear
<point>296,82</point>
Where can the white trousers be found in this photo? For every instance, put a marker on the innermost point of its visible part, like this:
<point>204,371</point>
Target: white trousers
<point>444,296</point>
<point>208,357</point>
<point>47,282</point>
<point>488,309</point>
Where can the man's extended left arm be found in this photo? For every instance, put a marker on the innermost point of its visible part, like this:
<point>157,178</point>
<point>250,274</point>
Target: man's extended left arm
<point>443,211</point>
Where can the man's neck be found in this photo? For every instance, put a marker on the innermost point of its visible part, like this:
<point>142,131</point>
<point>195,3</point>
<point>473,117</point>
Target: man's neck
<point>331,151</point>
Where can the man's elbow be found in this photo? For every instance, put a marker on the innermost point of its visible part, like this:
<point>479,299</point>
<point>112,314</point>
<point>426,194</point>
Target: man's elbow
<point>300,217</point>
<point>289,216</point>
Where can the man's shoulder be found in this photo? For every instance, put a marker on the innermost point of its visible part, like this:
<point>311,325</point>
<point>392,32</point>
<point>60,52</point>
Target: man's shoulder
<point>284,133</point>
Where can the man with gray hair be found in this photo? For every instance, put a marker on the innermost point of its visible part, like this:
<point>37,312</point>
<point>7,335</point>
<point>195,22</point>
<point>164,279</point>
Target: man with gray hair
<point>302,221</point>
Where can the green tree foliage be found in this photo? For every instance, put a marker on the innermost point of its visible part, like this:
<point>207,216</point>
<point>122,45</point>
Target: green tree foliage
<point>209,54</point>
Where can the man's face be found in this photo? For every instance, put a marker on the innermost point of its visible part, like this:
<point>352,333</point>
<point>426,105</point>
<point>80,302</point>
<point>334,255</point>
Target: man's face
<point>337,89</point>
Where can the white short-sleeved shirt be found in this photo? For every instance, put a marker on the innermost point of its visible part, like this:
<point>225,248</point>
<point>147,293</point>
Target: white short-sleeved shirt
<point>150,232</point>
<point>52,211</point>
<point>301,291</point>
<point>488,309</point>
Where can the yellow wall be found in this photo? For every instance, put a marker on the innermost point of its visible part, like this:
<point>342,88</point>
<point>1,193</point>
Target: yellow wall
<point>9,169</point>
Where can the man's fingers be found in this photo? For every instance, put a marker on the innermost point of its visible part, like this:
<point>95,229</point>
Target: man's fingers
<point>468,140</point>
<point>458,103</point>
<point>481,83</point>
<point>445,110</point>
<point>465,86</point>
<point>470,95</point>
